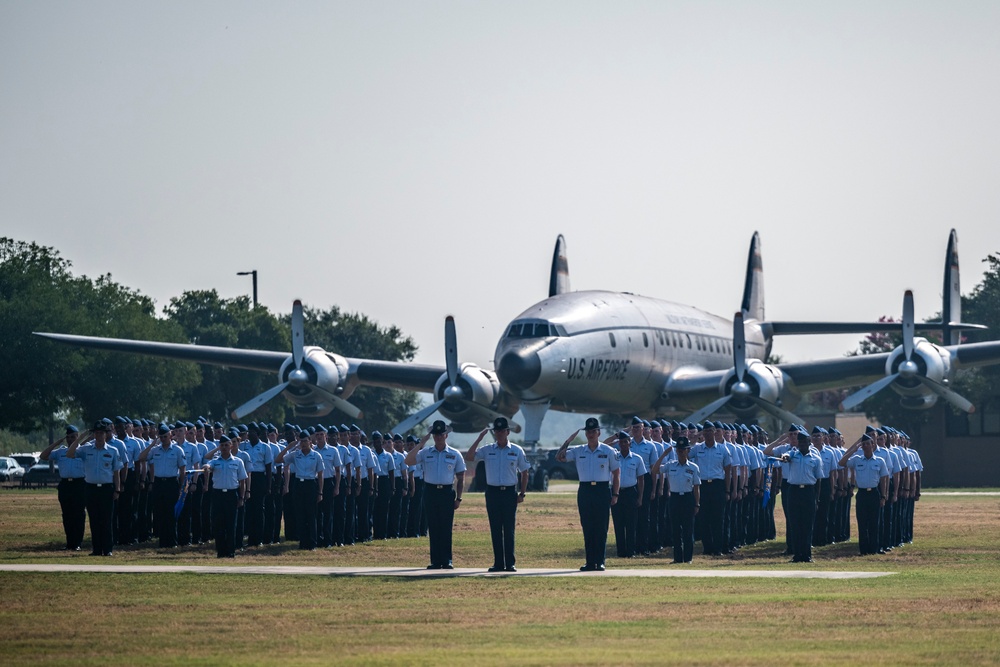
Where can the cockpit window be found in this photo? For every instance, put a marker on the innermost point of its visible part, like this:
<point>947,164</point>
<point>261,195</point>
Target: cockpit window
<point>533,330</point>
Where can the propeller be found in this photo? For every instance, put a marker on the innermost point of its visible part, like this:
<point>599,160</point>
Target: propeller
<point>297,377</point>
<point>453,393</point>
<point>907,370</point>
<point>741,389</point>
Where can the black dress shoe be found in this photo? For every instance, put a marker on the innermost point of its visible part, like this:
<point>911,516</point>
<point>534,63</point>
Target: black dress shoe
<point>447,566</point>
<point>96,553</point>
<point>677,561</point>
<point>599,568</point>
<point>587,568</point>
<point>494,568</point>
<point>510,569</point>
<point>434,567</point>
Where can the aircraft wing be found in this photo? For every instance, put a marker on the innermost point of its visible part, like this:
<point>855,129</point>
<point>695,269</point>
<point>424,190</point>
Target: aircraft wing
<point>254,360</point>
<point>692,387</point>
<point>392,374</point>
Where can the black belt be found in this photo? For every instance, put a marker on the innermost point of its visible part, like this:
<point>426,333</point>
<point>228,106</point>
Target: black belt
<point>223,490</point>
<point>440,486</point>
<point>594,483</point>
<point>680,493</point>
<point>874,488</point>
<point>501,488</point>
<point>73,479</point>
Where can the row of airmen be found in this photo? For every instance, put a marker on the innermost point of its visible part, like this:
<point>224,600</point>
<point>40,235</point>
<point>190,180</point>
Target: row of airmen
<point>357,493</point>
<point>180,483</point>
<point>739,475</point>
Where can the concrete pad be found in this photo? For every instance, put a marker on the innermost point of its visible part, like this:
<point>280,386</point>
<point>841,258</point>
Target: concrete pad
<point>422,572</point>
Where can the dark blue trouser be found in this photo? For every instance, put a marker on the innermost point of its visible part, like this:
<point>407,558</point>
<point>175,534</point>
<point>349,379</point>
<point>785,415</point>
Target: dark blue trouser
<point>625,514</point>
<point>501,509</point>
<point>439,501</point>
<point>223,505</point>
<point>594,502</point>
<point>682,526</point>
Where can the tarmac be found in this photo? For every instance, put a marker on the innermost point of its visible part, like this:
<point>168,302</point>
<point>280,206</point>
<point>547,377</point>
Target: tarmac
<point>422,572</point>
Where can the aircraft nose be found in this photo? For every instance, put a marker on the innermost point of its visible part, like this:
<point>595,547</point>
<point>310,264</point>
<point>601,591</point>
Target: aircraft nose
<point>519,369</point>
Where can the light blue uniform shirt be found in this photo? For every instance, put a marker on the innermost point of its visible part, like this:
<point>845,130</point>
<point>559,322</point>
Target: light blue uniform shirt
<point>305,466</point>
<point>245,457</point>
<point>99,465</point>
<point>829,458</point>
<point>261,455</point>
<point>331,461</point>
<point>711,461</point>
<point>647,450</point>
<point>166,462</point>
<point>682,478</point>
<point>346,458</point>
<point>440,467</point>
<point>631,467</point>
<point>368,462</point>
<point>227,473</point>
<point>867,472</point>
<point>594,465</point>
<point>503,464</point>
<point>355,458</point>
<point>122,451</point>
<point>399,458</point>
<point>804,469</point>
<point>68,468</point>
<point>384,463</point>
<point>918,465</point>
<point>133,447</point>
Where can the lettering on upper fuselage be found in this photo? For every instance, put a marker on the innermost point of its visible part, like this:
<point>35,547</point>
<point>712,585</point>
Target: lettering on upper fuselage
<point>691,321</point>
<point>597,369</point>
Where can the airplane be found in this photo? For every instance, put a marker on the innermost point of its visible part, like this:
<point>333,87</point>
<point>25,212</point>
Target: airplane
<point>616,353</point>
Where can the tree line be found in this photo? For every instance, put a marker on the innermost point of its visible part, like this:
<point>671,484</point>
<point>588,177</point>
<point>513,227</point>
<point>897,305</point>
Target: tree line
<point>43,383</point>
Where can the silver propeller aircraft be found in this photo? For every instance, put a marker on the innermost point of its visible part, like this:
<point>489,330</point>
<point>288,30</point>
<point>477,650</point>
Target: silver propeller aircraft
<point>615,352</point>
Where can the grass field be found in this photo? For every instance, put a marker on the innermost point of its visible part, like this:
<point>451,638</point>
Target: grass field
<point>943,606</point>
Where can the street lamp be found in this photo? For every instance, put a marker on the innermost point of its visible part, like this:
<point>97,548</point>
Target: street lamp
<point>254,274</point>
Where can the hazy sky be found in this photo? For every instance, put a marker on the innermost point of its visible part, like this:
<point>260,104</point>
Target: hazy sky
<point>414,159</point>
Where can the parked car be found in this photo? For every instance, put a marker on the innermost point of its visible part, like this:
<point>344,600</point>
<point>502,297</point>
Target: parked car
<point>10,470</point>
<point>25,460</point>
<point>558,470</point>
<point>41,474</point>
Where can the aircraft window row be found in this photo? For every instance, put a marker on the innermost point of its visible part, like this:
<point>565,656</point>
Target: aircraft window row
<point>695,342</point>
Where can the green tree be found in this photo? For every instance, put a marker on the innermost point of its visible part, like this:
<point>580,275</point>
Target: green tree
<point>355,335</point>
<point>38,292</point>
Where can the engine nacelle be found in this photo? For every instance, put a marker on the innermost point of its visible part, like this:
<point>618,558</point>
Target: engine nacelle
<point>760,380</point>
<point>477,385</point>
<point>931,361</point>
<point>325,370</point>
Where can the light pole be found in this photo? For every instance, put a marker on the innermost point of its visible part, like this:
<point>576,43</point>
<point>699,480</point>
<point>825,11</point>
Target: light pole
<point>254,274</point>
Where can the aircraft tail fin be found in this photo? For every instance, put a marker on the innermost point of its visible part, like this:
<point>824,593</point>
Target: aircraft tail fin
<point>559,274</point>
<point>753,287</point>
<point>951,307</point>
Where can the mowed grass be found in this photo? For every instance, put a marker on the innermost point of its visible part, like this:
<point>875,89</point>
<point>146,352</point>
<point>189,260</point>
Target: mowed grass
<point>943,606</point>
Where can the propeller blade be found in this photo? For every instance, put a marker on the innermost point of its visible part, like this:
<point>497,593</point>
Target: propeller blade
<point>298,332</point>
<point>451,350</point>
<point>739,347</point>
<point>712,407</point>
<point>908,327</point>
<point>341,404</point>
<point>955,399</point>
<point>775,411</point>
<point>410,422</point>
<point>491,414</point>
<point>257,401</point>
<point>872,389</point>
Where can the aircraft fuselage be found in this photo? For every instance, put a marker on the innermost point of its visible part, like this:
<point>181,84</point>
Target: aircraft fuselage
<point>601,351</point>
